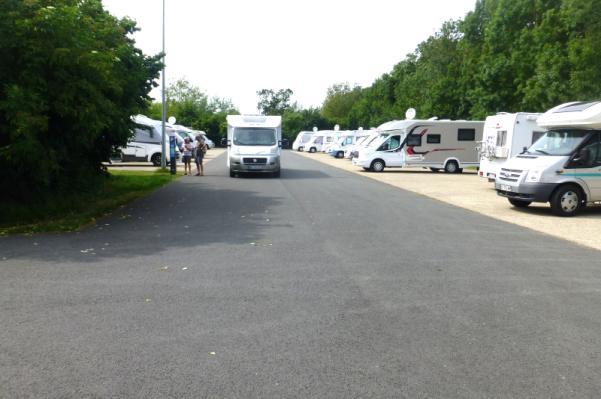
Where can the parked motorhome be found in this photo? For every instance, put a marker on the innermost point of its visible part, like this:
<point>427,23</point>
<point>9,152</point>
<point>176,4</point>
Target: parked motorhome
<point>320,139</point>
<point>353,151</point>
<point>506,135</point>
<point>145,145</point>
<point>301,139</point>
<point>563,167</point>
<point>435,144</point>
<point>254,144</point>
<point>346,140</point>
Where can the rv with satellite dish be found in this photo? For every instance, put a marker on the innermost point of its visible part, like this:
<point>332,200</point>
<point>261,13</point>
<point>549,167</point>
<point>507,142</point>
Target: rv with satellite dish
<point>563,167</point>
<point>301,139</point>
<point>506,135</point>
<point>254,144</point>
<point>320,139</point>
<point>436,144</point>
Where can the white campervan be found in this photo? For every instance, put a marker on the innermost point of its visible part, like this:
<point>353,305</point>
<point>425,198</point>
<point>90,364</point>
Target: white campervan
<point>254,144</point>
<point>353,150</point>
<point>145,145</point>
<point>346,140</point>
<point>434,144</point>
<point>506,135</point>
<point>563,167</point>
<point>301,139</point>
<point>320,139</point>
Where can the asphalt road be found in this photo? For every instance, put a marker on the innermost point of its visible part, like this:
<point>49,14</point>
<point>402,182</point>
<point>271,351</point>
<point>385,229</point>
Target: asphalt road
<point>321,284</point>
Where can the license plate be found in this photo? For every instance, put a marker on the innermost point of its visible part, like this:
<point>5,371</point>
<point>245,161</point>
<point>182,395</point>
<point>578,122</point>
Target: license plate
<point>255,167</point>
<point>505,187</point>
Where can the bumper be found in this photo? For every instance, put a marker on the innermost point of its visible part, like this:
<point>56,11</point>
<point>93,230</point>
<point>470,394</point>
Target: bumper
<point>238,165</point>
<point>540,192</point>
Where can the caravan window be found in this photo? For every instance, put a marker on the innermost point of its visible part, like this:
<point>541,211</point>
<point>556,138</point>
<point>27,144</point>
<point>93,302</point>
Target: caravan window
<point>466,134</point>
<point>146,135</point>
<point>433,139</point>
<point>329,139</point>
<point>414,140</point>
<point>589,154</point>
<point>501,138</point>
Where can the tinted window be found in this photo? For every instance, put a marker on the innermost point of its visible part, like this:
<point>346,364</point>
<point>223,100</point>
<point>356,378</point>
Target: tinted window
<point>466,134</point>
<point>433,139</point>
<point>254,136</point>
<point>536,136</point>
<point>146,135</point>
<point>318,140</point>
<point>414,140</point>
<point>589,155</point>
<point>501,138</point>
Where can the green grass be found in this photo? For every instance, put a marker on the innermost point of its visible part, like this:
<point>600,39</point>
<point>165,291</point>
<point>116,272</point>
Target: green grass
<point>73,210</point>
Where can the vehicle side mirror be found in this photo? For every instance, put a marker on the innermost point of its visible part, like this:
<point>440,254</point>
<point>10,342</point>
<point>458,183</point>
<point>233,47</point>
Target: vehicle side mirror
<point>582,158</point>
<point>284,143</point>
<point>524,150</point>
<point>225,142</point>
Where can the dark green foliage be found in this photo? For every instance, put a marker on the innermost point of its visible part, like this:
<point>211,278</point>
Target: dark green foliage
<point>273,102</point>
<point>71,77</point>
<point>193,108</point>
<point>505,55</point>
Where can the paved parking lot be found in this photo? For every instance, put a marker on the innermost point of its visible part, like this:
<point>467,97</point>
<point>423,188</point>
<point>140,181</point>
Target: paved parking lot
<point>469,191</point>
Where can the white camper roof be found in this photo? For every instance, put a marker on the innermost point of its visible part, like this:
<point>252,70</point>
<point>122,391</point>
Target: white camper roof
<point>254,121</point>
<point>579,114</point>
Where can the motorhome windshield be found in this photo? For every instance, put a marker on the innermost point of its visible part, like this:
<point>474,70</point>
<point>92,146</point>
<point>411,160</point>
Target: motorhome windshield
<point>254,136</point>
<point>377,140</point>
<point>558,142</point>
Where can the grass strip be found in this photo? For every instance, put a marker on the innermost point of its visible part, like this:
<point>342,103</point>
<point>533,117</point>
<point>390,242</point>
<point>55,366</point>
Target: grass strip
<point>60,212</point>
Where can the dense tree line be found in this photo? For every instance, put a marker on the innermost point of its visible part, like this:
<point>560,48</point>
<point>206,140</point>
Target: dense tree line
<point>505,55</point>
<point>71,77</point>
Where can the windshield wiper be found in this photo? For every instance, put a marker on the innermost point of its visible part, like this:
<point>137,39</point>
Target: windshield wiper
<point>541,151</point>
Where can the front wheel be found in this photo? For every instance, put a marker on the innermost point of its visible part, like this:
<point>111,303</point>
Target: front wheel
<point>300,149</point>
<point>340,154</point>
<point>377,165</point>
<point>519,203</point>
<point>232,173</point>
<point>567,201</point>
<point>312,150</point>
<point>156,159</point>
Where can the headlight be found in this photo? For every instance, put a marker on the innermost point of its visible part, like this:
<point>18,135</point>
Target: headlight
<point>274,150</point>
<point>534,176</point>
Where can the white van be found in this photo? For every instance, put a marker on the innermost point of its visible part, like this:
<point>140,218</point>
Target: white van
<point>320,139</point>
<point>434,144</point>
<point>345,141</point>
<point>145,145</point>
<point>254,144</point>
<point>563,167</point>
<point>301,139</point>
<point>506,135</point>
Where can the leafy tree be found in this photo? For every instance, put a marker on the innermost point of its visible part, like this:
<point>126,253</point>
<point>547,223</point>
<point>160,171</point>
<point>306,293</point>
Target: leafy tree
<point>273,102</point>
<point>71,79</point>
<point>338,103</point>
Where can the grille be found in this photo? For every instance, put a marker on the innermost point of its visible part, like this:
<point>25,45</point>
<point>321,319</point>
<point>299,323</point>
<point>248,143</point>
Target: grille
<point>512,175</point>
<point>255,161</point>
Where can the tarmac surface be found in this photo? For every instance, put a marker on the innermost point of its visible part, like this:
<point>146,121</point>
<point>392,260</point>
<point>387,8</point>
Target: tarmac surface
<point>320,284</point>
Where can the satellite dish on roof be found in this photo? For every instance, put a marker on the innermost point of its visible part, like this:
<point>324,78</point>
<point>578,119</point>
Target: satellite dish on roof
<point>410,113</point>
<point>337,127</point>
<point>314,128</point>
<point>172,120</point>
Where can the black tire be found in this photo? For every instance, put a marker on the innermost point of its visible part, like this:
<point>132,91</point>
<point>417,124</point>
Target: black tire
<point>377,165</point>
<point>300,149</point>
<point>156,159</point>
<point>567,200</point>
<point>519,203</point>
<point>340,154</point>
<point>232,173</point>
<point>451,167</point>
<point>435,170</point>
<point>312,150</point>
<point>277,174</point>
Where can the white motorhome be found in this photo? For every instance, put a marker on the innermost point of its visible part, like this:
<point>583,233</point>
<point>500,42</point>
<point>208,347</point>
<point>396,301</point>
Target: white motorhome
<point>434,144</point>
<point>506,135</point>
<point>345,141</point>
<point>145,145</point>
<point>353,150</point>
<point>320,139</point>
<point>563,167</point>
<point>301,139</point>
<point>254,144</point>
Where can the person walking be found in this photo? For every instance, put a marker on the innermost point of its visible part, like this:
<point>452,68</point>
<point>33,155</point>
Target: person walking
<point>201,150</point>
<point>187,149</point>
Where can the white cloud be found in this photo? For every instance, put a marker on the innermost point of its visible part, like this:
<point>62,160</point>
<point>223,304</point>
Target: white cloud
<point>232,48</point>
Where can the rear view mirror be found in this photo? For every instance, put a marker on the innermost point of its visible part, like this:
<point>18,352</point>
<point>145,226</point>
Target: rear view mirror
<point>524,150</point>
<point>223,141</point>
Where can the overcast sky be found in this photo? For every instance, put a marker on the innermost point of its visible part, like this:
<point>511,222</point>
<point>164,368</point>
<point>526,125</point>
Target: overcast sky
<point>232,48</point>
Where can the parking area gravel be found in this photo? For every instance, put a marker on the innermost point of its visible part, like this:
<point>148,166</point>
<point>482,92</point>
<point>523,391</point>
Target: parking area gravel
<point>467,190</point>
